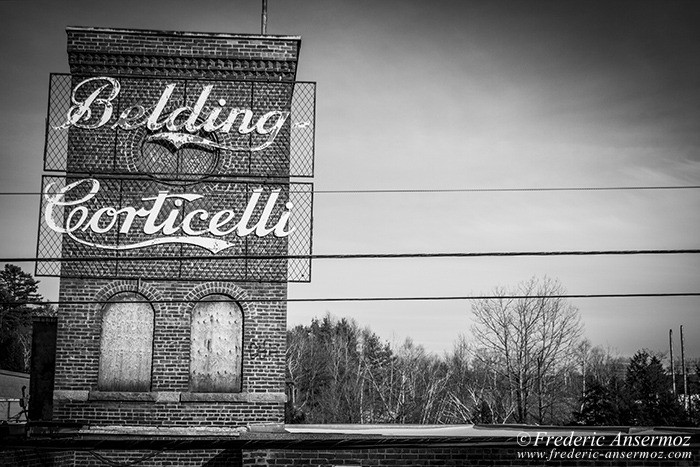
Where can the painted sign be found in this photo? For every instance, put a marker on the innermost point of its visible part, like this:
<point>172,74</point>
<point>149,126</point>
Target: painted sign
<point>93,107</point>
<point>173,127</point>
<point>182,170</point>
<point>176,226</point>
<point>122,219</point>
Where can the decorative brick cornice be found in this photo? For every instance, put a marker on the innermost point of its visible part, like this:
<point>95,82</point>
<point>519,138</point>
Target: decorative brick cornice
<point>182,54</point>
<point>181,66</point>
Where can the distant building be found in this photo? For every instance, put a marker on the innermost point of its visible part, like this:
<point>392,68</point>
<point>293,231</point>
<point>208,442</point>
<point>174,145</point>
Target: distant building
<point>14,387</point>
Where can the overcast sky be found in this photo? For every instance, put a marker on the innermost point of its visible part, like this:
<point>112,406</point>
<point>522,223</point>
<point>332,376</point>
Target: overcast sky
<point>447,95</point>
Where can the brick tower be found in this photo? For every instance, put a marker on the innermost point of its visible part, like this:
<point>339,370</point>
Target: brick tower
<point>175,148</point>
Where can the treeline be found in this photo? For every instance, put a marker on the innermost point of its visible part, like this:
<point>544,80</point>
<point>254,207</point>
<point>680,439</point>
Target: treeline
<point>345,374</point>
<point>526,364</point>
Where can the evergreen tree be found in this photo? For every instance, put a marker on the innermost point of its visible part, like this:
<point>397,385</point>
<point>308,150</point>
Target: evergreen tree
<point>649,393</point>
<point>16,289</point>
<point>598,407</point>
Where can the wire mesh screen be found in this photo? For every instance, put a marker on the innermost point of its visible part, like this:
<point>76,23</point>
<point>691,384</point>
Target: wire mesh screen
<point>131,227</point>
<point>180,128</point>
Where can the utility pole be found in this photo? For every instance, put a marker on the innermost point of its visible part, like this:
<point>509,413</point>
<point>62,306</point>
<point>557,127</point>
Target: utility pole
<point>263,20</point>
<point>673,368</point>
<point>685,373</point>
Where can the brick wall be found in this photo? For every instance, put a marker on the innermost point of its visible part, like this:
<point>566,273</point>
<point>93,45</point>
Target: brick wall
<point>451,457</point>
<point>503,455</point>
<point>128,55</point>
<point>124,151</point>
<point>170,403</point>
<point>183,458</point>
<point>35,458</point>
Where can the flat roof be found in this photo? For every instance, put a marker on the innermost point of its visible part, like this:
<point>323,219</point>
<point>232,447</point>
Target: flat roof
<point>309,437</point>
<point>16,374</point>
<point>473,431</point>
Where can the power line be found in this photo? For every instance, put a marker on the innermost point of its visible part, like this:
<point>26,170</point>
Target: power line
<point>505,190</point>
<point>364,299</point>
<point>452,190</point>
<point>358,256</point>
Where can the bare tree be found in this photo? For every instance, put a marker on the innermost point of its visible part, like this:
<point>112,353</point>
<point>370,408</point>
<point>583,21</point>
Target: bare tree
<point>476,392</point>
<point>534,338</point>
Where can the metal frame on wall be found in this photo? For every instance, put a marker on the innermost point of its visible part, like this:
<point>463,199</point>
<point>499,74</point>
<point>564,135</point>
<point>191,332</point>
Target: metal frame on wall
<point>190,262</point>
<point>292,155</point>
<point>99,134</point>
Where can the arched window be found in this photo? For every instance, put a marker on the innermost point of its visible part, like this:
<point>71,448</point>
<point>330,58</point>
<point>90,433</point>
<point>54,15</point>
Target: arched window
<point>216,353</point>
<point>126,347</point>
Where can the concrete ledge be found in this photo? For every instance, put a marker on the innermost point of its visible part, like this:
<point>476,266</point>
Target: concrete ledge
<point>164,397</point>
<point>159,397</point>
<point>167,397</point>
<point>70,395</point>
<point>122,396</point>
<point>266,428</point>
<point>233,397</point>
<point>171,431</point>
<point>268,397</point>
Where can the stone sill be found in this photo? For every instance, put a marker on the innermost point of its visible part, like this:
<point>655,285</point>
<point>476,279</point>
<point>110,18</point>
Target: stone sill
<point>233,397</point>
<point>165,397</point>
<point>144,430</point>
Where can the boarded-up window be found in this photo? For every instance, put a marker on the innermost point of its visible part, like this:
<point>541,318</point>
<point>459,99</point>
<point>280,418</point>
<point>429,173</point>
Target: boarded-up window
<point>217,343</point>
<point>126,348</point>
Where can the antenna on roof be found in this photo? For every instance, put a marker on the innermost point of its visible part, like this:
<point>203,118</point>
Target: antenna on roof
<point>263,25</point>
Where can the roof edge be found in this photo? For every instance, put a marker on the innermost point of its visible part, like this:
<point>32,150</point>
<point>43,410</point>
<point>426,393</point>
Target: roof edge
<point>156,32</point>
